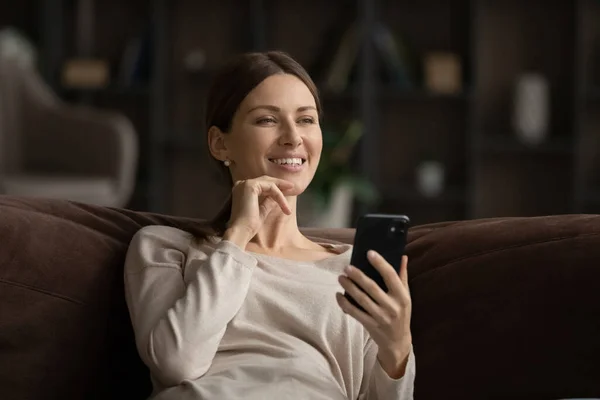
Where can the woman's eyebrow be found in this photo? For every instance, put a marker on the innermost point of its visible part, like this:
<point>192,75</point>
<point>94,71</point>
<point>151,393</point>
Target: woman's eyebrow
<point>277,109</point>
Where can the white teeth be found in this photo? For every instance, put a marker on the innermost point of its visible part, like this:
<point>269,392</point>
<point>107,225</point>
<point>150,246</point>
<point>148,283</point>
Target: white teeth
<point>290,161</point>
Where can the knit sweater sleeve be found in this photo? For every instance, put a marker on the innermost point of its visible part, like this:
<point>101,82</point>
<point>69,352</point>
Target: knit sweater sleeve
<point>377,383</point>
<point>180,307</point>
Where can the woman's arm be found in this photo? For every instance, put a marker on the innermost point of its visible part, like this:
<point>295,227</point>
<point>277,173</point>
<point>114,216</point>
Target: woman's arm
<point>378,385</point>
<point>179,322</point>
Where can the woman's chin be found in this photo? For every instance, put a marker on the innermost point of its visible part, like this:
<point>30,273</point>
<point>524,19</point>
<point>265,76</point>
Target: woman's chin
<point>300,183</point>
<point>297,190</point>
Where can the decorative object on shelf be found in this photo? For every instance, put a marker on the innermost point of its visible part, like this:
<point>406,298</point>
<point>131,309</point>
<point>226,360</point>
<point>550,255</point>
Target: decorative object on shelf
<point>443,72</point>
<point>430,177</point>
<point>531,110</point>
<point>328,200</point>
<point>85,73</point>
<point>15,46</point>
<point>195,60</point>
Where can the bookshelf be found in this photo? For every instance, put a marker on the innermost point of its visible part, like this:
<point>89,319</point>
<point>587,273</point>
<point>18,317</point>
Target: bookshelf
<point>488,171</point>
<point>137,90</point>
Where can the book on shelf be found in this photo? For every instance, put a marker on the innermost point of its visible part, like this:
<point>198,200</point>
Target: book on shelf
<point>344,59</point>
<point>392,54</point>
<point>135,65</point>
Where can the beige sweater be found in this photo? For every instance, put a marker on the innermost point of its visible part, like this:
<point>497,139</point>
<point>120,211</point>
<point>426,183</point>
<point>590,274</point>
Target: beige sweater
<point>213,321</point>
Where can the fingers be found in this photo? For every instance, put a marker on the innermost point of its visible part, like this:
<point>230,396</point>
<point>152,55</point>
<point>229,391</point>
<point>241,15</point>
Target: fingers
<point>368,294</point>
<point>387,272</point>
<point>275,193</point>
<point>381,315</point>
<point>267,205</point>
<point>355,312</point>
<point>271,189</point>
<point>359,295</point>
<point>282,184</point>
<point>404,271</point>
<point>268,187</point>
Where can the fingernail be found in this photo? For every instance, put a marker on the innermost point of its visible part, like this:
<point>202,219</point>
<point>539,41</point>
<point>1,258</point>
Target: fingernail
<point>371,254</point>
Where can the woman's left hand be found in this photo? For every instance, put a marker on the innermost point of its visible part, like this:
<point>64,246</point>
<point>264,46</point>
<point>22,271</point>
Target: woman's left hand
<point>387,316</point>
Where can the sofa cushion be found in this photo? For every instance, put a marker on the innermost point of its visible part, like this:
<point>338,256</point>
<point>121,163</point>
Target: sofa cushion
<point>501,308</point>
<point>507,308</point>
<point>64,329</point>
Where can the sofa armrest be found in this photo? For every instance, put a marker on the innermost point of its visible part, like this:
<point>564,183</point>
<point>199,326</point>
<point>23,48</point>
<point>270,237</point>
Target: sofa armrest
<point>76,140</point>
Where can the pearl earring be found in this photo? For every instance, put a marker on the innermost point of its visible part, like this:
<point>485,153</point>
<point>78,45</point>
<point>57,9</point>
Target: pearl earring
<point>227,163</point>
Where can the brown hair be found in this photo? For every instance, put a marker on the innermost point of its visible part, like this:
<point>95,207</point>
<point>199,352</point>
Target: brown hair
<point>229,88</point>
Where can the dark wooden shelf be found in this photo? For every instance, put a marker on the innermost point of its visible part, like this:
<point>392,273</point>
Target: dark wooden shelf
<point>108,90</point>
<point>201,77</point>
<point>593,94</point>
<point>495,41</point>
<point>346,95</point>
<point>391,93</point>
<point>510,144</point>
<point>183,144</point>
<point>593,197</point>
<point>404,193</point>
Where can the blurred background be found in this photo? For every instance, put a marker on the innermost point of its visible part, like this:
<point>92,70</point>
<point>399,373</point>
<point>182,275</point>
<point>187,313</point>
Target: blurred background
<point>438,109</point>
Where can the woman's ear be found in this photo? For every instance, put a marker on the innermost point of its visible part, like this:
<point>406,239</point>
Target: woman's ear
<point>216,144</point>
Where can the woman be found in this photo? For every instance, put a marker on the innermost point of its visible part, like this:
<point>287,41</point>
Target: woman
<point>252,309</point>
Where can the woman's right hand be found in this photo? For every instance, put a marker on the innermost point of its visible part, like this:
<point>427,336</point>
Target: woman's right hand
<point>252,201</point>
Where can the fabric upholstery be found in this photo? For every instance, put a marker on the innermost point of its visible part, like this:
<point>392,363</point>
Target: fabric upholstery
<point>502,308</point>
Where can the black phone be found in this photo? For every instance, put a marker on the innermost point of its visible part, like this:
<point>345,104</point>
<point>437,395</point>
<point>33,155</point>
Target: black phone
<point>384,233</point>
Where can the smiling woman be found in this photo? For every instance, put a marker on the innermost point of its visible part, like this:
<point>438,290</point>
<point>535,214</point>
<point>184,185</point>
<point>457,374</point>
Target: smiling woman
<point>249,309</point>
<point>282,141</point>
<point>261,135</point>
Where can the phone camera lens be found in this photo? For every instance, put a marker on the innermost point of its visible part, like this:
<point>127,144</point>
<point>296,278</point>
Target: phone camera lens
<point>393,229</point>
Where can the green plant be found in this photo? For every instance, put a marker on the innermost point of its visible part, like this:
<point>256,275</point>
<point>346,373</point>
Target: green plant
<point>335,167</point>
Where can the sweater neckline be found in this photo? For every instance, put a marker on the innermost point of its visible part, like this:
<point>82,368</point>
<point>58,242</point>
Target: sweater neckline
<point>342,251</point>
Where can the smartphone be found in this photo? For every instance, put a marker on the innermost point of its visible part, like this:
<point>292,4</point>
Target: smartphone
<point>384,233</point>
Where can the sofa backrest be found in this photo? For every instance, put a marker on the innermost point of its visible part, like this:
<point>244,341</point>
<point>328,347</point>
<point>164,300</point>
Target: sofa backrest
<point>64,326</point>
<point>501,308</point>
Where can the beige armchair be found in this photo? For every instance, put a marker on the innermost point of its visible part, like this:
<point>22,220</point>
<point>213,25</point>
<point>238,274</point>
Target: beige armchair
<point>54,150</point>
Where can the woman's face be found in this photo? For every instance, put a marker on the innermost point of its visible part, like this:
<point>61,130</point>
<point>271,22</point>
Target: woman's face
<point>275,132</point>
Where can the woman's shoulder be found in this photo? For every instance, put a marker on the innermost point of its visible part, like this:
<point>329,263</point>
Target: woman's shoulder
<point>161,245</point>
<point>163,236</point>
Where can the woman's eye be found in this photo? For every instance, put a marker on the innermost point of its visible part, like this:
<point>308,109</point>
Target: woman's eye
<point>266,120</point>
<point>307,120</point>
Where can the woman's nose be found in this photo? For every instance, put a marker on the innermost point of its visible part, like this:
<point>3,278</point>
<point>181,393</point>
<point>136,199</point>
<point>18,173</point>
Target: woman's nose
<point>290,136</point>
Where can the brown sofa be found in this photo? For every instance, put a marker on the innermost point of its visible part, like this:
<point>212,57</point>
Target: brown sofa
<point>503,308</point>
